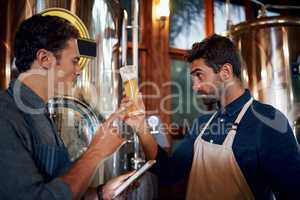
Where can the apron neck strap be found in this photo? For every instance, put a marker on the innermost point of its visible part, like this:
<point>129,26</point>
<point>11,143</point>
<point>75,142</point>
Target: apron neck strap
<point>207,124</point>
<point>236,122</point>
<point>243,111</point>
<point>232,132</point>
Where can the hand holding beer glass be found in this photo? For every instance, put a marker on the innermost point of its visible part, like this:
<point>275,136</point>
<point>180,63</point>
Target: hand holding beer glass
<point>130,81</point>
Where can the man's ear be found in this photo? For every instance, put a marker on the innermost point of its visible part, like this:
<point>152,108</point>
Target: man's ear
<point>45,58</point>
<point>226,72</point>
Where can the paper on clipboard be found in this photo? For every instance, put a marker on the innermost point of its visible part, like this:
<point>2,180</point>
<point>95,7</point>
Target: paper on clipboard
<point>133,178</point>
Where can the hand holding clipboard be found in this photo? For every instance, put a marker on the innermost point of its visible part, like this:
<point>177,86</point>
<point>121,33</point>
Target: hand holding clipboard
<point>121,188</point>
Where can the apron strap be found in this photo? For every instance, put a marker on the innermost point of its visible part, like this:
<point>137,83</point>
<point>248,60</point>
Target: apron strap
<point>207,124</point>
<point>243,111</point>
<point>229,139</point>
<point>232,132</point>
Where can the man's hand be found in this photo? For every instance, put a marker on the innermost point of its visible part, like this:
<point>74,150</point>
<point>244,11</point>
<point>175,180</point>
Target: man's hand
<point>137,121</point>
<point>107,138</point>
<point>105,142</point>
<point>110,187</point>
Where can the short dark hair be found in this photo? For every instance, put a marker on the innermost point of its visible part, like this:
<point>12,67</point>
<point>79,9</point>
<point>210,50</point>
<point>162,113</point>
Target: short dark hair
<point>216,50</point>
<point>41,32</point>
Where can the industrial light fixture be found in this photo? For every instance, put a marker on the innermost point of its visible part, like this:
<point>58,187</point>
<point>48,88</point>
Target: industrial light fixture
<point>163,10</point>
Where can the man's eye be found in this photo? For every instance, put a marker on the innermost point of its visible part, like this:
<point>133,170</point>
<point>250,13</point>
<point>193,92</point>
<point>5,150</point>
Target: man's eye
<point>198,75</point>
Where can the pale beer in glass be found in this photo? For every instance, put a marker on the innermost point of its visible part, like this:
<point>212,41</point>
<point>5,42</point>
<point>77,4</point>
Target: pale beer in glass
<point>129,78</point>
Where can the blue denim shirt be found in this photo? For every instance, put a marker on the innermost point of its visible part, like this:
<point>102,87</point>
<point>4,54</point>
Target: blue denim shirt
<point>32,156</point>
<point>265,149</point>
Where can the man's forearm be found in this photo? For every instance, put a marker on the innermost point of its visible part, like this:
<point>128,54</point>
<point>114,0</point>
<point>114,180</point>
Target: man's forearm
<point>79,176</point>
<point>148,142</point>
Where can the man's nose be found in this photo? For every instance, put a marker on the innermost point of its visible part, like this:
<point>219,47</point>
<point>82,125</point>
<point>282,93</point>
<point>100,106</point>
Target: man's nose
<point>77,70</point>
<point>196,85</point>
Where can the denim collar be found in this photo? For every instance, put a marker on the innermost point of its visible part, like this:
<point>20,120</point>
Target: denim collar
<point>235,106</point>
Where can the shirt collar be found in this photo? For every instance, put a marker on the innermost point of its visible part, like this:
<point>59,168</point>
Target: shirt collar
<point>25,95</point>
<point>237,104</point>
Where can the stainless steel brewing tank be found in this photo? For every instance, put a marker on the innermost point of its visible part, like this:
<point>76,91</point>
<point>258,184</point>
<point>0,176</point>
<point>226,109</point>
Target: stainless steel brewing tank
<point>99,82</point>
<point>270,52</point>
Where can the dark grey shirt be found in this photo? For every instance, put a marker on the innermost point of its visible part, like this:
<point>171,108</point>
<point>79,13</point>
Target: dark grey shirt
<point>32,155</point>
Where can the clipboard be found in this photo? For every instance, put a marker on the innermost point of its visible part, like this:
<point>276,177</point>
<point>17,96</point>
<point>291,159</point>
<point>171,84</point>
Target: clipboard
<point>133,178</point>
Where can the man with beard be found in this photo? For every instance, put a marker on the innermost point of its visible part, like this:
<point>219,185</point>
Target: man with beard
<point>244,150</point>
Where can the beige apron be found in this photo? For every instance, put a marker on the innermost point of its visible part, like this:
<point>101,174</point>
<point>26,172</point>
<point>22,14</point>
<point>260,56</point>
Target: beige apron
<point>215,173</point>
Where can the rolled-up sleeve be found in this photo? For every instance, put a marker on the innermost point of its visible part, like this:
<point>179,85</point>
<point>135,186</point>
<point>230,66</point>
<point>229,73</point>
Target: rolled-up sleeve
<point>19,176</point>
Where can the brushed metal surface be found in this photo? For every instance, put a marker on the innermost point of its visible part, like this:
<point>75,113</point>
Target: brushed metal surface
<point>269,48</point>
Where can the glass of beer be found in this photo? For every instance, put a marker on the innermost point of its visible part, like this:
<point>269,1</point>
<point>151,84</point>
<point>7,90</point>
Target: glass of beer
<point>129,78</point>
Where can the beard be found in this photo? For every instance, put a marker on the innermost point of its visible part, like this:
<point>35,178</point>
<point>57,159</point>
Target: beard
<point>208,99</point>
<point>210,94</point>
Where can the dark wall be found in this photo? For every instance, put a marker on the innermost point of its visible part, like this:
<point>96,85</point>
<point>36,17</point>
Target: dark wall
<point>3,24</point>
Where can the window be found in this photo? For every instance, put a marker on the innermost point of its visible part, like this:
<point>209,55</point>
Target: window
<point>185,106</point>
<point>186,23</point>
<point>237,15</point>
